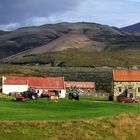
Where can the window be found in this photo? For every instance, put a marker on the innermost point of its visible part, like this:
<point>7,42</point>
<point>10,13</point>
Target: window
<point>120,89</point>
<point>130,95</point>
<point>138,89</point>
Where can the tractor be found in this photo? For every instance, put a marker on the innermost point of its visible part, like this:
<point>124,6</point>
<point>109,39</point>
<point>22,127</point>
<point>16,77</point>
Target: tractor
<point>73,93</point>
<point>30,94</point>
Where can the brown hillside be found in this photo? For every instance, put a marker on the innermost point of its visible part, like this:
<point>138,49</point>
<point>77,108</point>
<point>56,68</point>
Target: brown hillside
<point>86,37</point>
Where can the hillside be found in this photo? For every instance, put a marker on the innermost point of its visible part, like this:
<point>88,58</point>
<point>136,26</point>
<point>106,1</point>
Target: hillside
<point>41,41</point>
<point>3,32</point>
<point>80,58</point>
<point>132,28</point>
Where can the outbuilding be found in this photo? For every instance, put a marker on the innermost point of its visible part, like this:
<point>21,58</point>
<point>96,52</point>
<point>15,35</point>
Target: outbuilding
<point>20,84</point>
<point>126,83</point>
<point>86,88</point>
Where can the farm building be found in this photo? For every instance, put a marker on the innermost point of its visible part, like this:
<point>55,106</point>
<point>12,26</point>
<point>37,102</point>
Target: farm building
<point>20,84</point>
<point>87,88</point>
<point>126,83</point>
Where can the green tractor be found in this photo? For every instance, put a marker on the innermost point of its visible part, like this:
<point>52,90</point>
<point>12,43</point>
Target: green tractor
<point>73,93</point>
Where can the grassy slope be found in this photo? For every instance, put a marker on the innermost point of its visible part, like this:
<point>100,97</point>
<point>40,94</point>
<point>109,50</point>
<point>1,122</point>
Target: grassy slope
<point>79,58</point>
<point>122,127</point>
<point>65,120</point>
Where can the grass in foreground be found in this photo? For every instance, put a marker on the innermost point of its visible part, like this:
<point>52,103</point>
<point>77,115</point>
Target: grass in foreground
<point>120,127</point>
<point>86,119</point>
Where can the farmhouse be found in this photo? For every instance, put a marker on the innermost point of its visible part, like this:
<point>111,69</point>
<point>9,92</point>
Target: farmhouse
<point>126,83</point>
<point>87,88</point>
<point>20,84</point>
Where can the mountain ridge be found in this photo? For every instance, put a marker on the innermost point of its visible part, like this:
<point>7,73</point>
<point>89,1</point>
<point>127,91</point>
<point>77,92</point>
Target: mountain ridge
<point>48,38</point>
<point>132,28</point>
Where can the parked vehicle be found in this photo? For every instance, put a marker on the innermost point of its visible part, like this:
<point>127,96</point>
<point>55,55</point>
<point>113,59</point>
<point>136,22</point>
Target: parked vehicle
<point>127,100</point>
<point>51,94</point>
<point>30,94</point>
<point>73,93</point>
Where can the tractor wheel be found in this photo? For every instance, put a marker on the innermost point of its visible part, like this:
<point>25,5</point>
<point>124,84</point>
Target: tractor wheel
<point>134,102</point>
<point>70,96</point>
<point>34,97</point>
<point>77,98</point>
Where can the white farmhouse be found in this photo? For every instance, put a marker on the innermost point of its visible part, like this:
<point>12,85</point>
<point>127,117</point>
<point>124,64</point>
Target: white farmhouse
<point>12,84</point>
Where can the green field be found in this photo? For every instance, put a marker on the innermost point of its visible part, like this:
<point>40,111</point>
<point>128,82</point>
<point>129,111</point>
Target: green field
<point>43,109</point>
<point>87,119</point>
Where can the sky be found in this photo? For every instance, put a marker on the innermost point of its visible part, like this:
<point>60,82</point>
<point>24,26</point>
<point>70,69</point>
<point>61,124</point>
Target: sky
<point>20,13</point>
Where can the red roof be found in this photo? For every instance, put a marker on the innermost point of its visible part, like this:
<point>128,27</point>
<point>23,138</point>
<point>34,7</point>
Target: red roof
<point>15,82</point>
<point>38,82</point>
<point>81,84</point>
<point>126,75</point>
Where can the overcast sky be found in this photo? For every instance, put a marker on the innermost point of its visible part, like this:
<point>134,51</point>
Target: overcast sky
<point>19,13</point>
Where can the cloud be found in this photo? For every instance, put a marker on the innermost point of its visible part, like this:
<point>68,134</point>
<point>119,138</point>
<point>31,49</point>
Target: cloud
<point>19,10</point>
<point>23,11</point>
<point>43,20</point>
<point>116,13</point>
<point>19,13</point>
<point>10,26</point>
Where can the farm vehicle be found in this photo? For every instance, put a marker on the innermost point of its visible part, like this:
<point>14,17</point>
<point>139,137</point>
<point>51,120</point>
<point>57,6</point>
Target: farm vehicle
<point>33,94</point>
<point>51,94</point>
<point>73,93</point>
<point>30,94</point>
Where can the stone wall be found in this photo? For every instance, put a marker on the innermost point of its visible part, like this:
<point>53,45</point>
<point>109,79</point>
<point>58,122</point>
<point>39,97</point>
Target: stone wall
<point>122,88</point>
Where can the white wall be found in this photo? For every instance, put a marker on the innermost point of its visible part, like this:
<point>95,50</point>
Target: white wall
<point>6,89</point>
<point>63,93</point>
<point>39,91</point>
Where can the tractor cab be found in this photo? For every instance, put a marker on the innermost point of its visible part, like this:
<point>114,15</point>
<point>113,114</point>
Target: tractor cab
<point>30,94</point>
<point>73,93</point>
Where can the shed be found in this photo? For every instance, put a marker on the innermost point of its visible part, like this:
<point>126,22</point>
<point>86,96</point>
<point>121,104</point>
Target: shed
<point>87,88</point>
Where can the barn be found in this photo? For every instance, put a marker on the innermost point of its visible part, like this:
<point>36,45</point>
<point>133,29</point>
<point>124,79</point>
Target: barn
<point>87,88</point>
<point>126,83</point>
<point>20,84</point>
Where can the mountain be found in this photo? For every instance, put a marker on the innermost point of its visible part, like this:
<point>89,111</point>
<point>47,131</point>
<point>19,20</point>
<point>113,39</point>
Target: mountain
<point>31,43</point>
<point>4,32</point>
<point>132,28</point>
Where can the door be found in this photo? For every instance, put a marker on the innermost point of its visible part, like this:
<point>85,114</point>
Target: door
<point>131,93</point>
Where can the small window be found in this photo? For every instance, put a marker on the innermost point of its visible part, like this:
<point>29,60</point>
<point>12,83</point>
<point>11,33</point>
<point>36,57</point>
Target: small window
<point>131,95</point>
<point>89,90</point>
<point>138,89</point>
<point>120,89</point>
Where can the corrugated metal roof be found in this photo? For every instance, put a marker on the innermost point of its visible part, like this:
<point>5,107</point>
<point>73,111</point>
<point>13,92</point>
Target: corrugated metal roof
<point>126,75</point>
<point>81,84</point>
<point>38,82</point>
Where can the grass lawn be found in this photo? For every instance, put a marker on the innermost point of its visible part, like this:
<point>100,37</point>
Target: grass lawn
<point>43,109</point>
<point>86,119</point>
